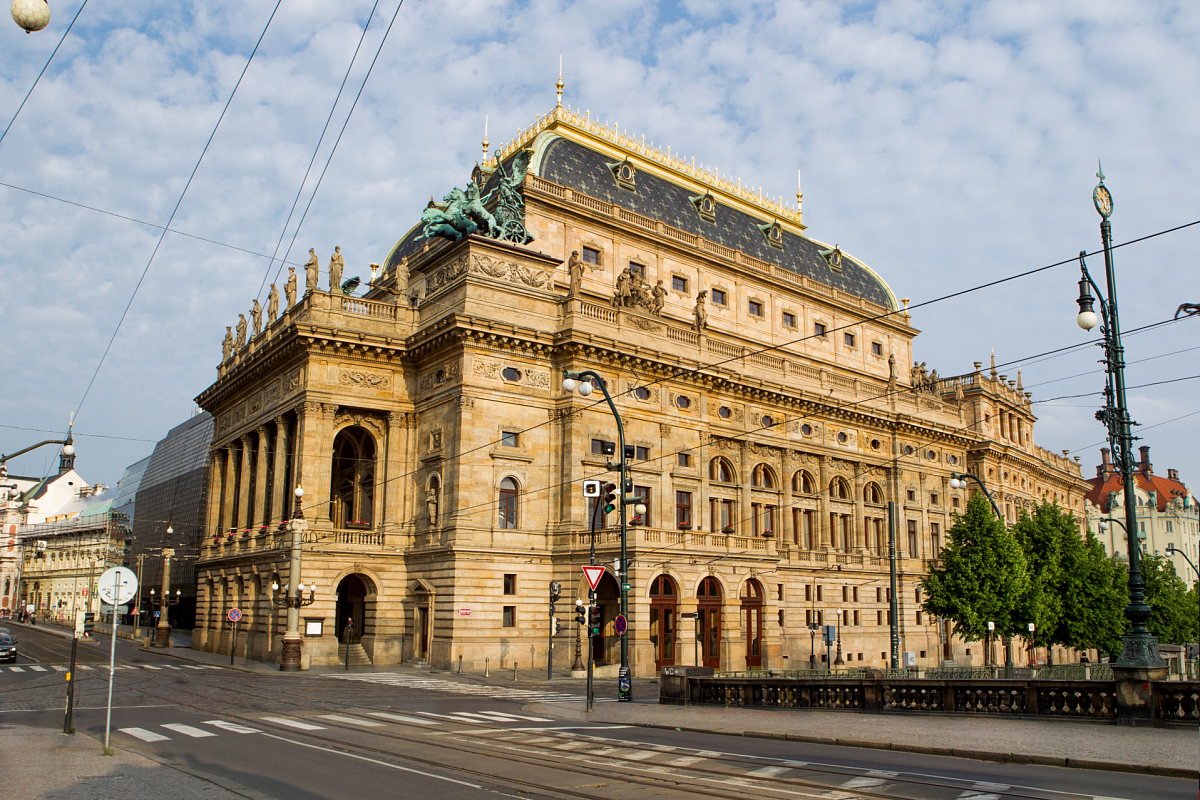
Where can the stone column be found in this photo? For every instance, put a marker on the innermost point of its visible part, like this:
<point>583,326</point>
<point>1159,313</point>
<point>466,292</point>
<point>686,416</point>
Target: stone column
<point>231,462</point>
<point>860,516</point>
<point>787,536</point>
<point>260,482</point>
<point>407,493</point>
<point>281,494</point>
<point>243,520</point>
<point>823,524</point>
<point>212,522</point>
<point>744,525</point>
<point>393,469</point>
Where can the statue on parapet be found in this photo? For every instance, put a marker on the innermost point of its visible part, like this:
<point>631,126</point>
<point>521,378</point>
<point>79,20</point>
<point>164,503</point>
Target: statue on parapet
<point>659,301</point>
<point>240,341</point>
<point>700,312</point>
<point>227,345</point>
<point>462,213</point>
<point>624,290</point>
<point>337,265</point>
<point>312,272</point>
<point>256,317</point>
<point>272,305</point>
<point>289,288</point>
<point>575,268</point>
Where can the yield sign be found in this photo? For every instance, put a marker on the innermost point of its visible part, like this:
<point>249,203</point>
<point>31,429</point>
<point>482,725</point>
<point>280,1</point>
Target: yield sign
<point>593,573</point>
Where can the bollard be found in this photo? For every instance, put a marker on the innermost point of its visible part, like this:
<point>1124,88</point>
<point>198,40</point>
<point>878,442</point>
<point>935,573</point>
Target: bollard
<point>486,662</point>
<point>460,663</point>
<point>514,670</point>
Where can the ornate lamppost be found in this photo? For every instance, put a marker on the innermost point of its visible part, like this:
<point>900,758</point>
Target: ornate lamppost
<point>1139,647</point>
<point>294,599</point>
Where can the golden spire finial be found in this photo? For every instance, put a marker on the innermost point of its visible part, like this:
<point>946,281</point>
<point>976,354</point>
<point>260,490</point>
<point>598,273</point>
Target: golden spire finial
<point>559,85</point>
<point>485,140</point>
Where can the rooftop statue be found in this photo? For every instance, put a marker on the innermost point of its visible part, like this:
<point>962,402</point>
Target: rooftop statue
<point>272,305</point>
<point>256,317</point>
<point>240,341</point>
<point>462,213</point>
<point>290,287</point>
<point>337,265</point>
<point>227,345</point>
<point>311,270</point>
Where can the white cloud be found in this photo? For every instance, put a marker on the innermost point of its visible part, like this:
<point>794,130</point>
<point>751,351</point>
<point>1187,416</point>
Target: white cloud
<point>946,145</point>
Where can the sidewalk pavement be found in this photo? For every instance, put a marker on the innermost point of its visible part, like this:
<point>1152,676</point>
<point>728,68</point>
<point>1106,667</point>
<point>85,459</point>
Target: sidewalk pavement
<point>1050,742</point>
<point>45,764</point>
<point>182,639</point>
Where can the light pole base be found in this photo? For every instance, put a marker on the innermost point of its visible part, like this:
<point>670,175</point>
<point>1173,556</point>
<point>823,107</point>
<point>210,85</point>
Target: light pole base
<point>289,660</point>
<point>1140,651</point>
<point>162,636</point>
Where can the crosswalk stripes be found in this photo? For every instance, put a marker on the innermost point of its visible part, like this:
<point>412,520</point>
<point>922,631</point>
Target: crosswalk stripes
<point>62,668</point>
<point>452,687</point>
<point>401,718</point>
<point>366,723</point>
<point>145,735</point>
<point>188,730</point>
<point>294,723</point>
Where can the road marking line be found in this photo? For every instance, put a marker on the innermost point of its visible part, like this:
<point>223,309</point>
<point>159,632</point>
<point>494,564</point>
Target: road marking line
<point>401,718</point>
<point>994,787</point>
<point>514,716</point>
<point>366,723</point>
<point>473,717</point>
<point>768,772</point>
<point>971,794</point>
<point>291,723</point>
<point>38,669</point>
<point>232,727</point>
<point>145,735</point>
<point>187,730</point>
<point>862,783</point>
<point>376,761</point>
<point>22,669</point>
<point>169,666</point>
<point>84,666</point>
<point>566,745</point>
<point>685,761</point>
<point>191,666</point>
<point>60,669</point>
<point>149,666</point>
<point>794,763</point>
<point>637,755</point>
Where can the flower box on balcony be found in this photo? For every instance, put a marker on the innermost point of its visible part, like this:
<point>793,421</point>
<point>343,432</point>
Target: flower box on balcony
<point>727,529</point>
<point>683,526</point>
<point>358,526</point>
<point>768,534</point>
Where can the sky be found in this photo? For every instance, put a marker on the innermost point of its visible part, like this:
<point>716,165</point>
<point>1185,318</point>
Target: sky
<point>947,145</point>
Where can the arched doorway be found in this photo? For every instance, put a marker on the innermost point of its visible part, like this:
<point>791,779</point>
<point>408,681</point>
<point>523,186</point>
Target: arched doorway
<point>708,622</point>
<point>352,486</point>
<point>664,602</point>
<point>351,605</point>
<point>606,646</point>
<point>752,620</point>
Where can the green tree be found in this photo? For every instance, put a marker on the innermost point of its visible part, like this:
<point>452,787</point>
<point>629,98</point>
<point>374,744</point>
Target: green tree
<point>1044,536</point>
<point>1094,595</point>
<point>1175,615</point>
<point>983,577</point>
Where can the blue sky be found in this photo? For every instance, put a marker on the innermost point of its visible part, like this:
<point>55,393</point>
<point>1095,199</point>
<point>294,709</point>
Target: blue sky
<point>945,145</point>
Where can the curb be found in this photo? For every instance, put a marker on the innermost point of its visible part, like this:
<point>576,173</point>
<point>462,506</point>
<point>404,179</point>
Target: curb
<point>950,752</point>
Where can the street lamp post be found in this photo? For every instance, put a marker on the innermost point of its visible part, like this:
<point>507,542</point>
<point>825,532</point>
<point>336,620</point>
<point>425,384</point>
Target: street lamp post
<point>1032,645</point>
<point>1139,648</point>
<point>839,661</point>
<point>162,632</point>
<point>1172,550</point>
<point>584,381</point>
<point>289,660</point>
<point>958,480</point>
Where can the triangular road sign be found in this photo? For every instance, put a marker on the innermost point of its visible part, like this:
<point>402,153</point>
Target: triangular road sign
<point>593,573</point>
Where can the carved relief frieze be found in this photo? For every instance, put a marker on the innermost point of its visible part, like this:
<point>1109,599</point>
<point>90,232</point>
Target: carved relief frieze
<point>840,466</point>
<point>435,440</point>
<point>440,376</point>
<point>254,404</point>
<point>359,418</point>
<point>465,403</point>
<point>509,270</point>
<point>446,274</point>
<point>487,369</point>
<point>537,379</point>
<point>239,413</point>
<point>271,395</point>
<point>364,378</point>
<point>664,429</point>
<point>644,324</point>
<point>803,458</point>
<point>291,383</point>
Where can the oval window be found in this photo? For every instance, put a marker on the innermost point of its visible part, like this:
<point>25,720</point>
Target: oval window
<point>683,402</point>
<point>874,444</point>
<point>908,450</point>
<point>511,374</point>
<point>842,438</point>
<point>953,459</point>
<point>724,412</point>
<point>932,456</point>
<point>641,393</point>
<point>806,430</point>
<point>768,420</point>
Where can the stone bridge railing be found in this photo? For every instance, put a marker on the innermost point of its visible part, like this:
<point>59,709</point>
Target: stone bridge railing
<point>1133,702</point>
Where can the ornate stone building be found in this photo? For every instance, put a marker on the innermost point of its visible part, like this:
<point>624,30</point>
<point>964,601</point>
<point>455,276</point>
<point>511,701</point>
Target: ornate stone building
<point>763,382</point>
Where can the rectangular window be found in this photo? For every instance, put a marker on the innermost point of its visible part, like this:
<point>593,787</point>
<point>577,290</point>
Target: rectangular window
<point>510,583</point>
<point>1169,527</point>
<point>591,255</point>
<point>935,539</point>
<point>819,328</point>
<point>726,514</point>
<point>912,538</point>
<point>933,498</point>
<point>911,495</point>
<point>954,502</point>
<point>820,619</point>
<point>848,338</point>
<point>919,623</point>
<point>781,618</point>
<point>683,508</point>
<point>637,269</point>
<point>819,593</point>
<point>845,594</point>
<point>510,616</point>
<point>779,591</point>
<point>879,618</point>
<point>854,594</point>
<point>718,297</point>
<point>877,349</point>
<point>641,453</point>
<point>789,319</point>
<point>755,308</point>
<point>878,594</point>
<point>857,620</point>
<point>808,616</point>
<point>601,517</point>
<point>679,284</point>
<point>508,439</point>
<point>807,592</point>
<point>685,459</point>
<point>597,447</point>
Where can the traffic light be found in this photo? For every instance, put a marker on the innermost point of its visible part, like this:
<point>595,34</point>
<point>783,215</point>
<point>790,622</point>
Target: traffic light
<point>608,448</point>
<point>556,624</point>
<point>610,498</point>
<point>593,621</point>
<point>580,613</point>
<point>555,593</point>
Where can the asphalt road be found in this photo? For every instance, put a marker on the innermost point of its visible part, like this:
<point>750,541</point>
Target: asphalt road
<point>411,734</point>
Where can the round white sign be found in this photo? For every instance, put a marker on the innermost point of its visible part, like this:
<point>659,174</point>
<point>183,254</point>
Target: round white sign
<point>117,585</point>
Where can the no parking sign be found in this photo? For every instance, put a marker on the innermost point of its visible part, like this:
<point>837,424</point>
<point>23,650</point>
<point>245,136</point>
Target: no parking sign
<point>235,614</point>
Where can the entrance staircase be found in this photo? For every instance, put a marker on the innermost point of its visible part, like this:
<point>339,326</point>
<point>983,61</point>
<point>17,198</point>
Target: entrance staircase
<point>358,656</point>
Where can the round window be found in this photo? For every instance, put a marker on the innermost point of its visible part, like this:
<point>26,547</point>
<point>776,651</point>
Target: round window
<point>908,450</point>
<point>641,393</point>
<point>724,412</point>
<point>626,172</point>
<point>683,402</point>
<point>874,444</point>
<point>708,204</point>
<point>511,374</point>
<point>842,437</point>
<point>932,456</point>
<point>953,459</point>
<point>768,420</point>
<point>806,430</point>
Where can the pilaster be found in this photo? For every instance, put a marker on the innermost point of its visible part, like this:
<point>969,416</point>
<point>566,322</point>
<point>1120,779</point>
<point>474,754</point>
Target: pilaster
<point>260,482</point>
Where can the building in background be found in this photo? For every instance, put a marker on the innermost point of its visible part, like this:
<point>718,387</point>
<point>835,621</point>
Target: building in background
<point>1167,512</point>
<point>171,495</point>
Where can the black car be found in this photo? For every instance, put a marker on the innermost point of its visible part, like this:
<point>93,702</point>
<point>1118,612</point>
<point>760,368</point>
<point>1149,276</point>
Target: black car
<point>8,647</point>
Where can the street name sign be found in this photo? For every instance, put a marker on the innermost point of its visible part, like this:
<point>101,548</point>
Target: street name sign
<point>593,573</point>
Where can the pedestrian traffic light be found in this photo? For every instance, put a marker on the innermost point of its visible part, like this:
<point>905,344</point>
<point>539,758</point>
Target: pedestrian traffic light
<point>555,594</point>
<point>556,626</point>
<point>610,498</point>
<point>593,621</point>
<point>580,613</point>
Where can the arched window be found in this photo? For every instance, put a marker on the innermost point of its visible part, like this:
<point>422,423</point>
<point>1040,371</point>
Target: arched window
<point>709,588</point>
<point>662,586</point>
<point>871,494</point>
<point>762,477</point>
<point>838,489</point>
<point>720,470</point>
<point>802,483</point>
<point>507,503</point>
<point>352,488</point>
<point>752,590</point>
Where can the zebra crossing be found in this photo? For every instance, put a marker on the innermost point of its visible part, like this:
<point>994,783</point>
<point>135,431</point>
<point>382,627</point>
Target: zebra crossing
<point>102,667</point>
<point>452,687</point>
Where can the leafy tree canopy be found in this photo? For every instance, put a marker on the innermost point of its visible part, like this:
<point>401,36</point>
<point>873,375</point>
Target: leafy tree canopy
<point>1175,615</point>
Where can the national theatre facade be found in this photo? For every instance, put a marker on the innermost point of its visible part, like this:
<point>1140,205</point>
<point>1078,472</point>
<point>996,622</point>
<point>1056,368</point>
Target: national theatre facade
<point>768,388</point>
